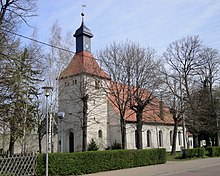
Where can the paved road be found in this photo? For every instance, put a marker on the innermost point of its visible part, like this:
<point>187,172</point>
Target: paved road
<point>200,167</point>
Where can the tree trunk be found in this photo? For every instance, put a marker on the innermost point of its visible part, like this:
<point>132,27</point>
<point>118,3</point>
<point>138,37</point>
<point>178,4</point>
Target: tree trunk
<point>84,142</point>
<point>84,127</point>
<point>217,139</point>
<point>12,138</point>
<point>123,134</point>
<point>176,123</point>
<point>139,115</point>
<point>39,142</point>
<point>11,145</point>
<point>195,141</point>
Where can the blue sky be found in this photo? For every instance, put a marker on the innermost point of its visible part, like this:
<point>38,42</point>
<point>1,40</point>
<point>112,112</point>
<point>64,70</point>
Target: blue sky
<point>154,23</point>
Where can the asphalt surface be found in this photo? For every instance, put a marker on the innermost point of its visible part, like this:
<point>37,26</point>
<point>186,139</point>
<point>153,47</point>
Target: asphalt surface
<point>198,167</point>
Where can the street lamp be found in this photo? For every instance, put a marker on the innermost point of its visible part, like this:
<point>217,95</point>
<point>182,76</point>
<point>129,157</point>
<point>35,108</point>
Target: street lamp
<point>47,93</point>
<point>61,116</point>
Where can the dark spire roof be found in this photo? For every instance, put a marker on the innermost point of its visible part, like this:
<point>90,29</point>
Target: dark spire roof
<point>83,30</point>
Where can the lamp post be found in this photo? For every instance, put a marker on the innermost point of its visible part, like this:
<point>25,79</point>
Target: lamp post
<point>61,116</point>
<point>47,93</point>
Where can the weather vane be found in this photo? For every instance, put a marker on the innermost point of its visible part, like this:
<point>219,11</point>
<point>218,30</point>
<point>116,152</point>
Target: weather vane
<point>82,14</point>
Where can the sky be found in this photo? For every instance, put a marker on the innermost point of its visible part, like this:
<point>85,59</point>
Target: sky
<point>154,23</point>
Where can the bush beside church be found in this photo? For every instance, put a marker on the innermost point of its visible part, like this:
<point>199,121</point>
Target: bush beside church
<point>78,163</point>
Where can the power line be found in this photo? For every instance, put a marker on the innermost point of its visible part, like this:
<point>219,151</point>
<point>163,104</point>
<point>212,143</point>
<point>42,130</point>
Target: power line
<point>43,43</point>
<point>47,44</point>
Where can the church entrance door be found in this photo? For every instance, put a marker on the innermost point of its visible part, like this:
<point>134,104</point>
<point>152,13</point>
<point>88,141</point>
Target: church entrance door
<point>71,142</point>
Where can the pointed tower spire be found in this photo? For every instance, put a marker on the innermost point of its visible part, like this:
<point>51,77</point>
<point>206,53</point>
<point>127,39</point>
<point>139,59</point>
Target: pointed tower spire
<point>83,37</point>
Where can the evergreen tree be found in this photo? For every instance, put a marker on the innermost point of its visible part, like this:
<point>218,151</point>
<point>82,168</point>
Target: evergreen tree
<point>93,146</point>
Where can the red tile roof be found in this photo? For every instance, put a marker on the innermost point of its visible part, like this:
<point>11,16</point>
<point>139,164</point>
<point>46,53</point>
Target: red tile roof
<point>151,113</point>
<point>83,62</point>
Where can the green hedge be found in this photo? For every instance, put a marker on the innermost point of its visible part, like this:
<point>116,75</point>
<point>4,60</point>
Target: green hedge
<point>97,161</point>
<point>195,152</point>
<point>213,151</point>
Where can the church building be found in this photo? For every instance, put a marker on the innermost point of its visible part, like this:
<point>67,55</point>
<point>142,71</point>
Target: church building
<point>89,114</point>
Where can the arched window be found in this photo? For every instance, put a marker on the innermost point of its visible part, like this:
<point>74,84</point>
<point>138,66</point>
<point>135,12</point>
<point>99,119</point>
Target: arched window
<point>171,138</point>
<point>71,142</point>
<point>160,138</point>
<point>100,133</point>
<point>179,138</point>
<point>148,138</point>
<point>136,141</point>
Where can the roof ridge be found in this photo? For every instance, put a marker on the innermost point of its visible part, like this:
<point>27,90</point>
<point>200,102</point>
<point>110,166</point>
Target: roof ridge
<point>83,62</point>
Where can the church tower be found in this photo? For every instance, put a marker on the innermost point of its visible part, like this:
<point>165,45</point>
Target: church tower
<point>82,98</point>
<point>83,38</point>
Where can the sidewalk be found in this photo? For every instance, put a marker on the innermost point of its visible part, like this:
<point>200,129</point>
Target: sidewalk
<point>163,169</point>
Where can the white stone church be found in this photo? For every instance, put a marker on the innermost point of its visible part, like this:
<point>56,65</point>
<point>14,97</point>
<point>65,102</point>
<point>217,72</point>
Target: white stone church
<point>83,79</point>
<point>81,87</point>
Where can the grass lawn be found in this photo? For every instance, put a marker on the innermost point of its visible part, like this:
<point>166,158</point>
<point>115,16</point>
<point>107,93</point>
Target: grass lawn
<point>178,157</point>
<point>174,158</point>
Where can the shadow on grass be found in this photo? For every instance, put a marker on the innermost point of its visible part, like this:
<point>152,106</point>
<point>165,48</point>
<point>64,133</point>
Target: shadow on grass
<point>176,157</point>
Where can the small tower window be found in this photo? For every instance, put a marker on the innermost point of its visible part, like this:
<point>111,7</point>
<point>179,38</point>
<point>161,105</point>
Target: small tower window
<point>97,84</point>
<point>74,82</point>
<point>100,133</point>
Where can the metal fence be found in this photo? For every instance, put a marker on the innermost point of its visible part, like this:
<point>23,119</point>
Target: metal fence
<point>18,165</point>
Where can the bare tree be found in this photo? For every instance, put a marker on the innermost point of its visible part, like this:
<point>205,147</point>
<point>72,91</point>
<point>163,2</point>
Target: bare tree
<point>184,57</point>
<point>143,79</point>
<point>113,61</point>
<point>191,61</point>
<point>138,69</point>
<point>173,97</point>
<point>55,61</point>
<point>12,10</point>
<point>204,98</point>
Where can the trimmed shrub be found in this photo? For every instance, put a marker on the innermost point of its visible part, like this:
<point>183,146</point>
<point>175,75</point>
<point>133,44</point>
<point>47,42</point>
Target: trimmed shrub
<point>213,151</point>
<point>195,152</point>
<point>41,164</point>
<point>93,146</point>
<point>97,161</point>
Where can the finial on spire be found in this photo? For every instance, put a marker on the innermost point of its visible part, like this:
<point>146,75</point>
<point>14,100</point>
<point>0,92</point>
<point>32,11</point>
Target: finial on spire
<point>82,14</point>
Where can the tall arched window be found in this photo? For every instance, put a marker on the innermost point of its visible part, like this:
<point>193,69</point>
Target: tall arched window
<point>100,133</point>
<point>171,137</point>
<point>160,138</point>
<point>179,138</point>
<point>71,142</point>
<point>136,142</point>
<point>148,138</point>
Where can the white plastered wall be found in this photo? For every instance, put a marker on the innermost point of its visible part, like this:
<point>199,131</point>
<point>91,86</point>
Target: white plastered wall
<point>154,129</point>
